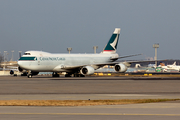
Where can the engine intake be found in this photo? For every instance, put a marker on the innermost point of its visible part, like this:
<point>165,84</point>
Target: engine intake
<point>11,72</point>
<point>21,70</point>
<point>87,70</point>
<point>120,67</point>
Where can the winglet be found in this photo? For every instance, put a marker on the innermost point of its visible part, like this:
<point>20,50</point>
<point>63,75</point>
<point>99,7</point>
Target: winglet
<point>112,43</point>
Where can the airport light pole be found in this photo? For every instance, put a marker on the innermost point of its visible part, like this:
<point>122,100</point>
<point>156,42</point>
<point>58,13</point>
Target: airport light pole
<point>95,48</point>
<point>7,56</point>
<point>0,58</point>
<point>156,45</point>
<point>4,60</point>
<point>12,55</point>
<point>20,54</point>
<point>69,49</point>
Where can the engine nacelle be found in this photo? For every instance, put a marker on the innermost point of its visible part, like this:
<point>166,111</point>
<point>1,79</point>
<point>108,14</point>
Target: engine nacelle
<point>11,72</point>
<point>25,72</point>
<point>21,70</point>
<point>120,67</point>
<point>87,70</point>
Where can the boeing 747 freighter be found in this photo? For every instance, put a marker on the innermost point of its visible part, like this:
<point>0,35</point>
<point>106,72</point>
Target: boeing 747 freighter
<point>73,64</point>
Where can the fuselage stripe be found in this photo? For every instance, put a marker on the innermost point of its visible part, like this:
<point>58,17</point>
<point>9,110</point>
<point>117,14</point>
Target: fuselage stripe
<point>27,59</point>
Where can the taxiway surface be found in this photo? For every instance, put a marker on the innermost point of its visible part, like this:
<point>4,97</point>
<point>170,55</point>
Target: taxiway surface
<point>48,88</point>
<point>87,88</point>
<point>148,111</point>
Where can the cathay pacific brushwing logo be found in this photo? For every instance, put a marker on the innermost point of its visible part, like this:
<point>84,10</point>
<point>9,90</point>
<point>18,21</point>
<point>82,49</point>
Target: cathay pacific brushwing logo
<point>113,44</point>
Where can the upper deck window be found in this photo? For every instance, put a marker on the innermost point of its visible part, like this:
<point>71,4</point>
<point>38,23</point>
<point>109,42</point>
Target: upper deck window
<point>27,53</point>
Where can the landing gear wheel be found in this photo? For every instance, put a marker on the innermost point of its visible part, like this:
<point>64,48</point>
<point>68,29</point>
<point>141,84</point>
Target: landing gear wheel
<point>68,75</point>
<point>15,75</point>
<point>24,74</point>
<point>55,74</point>
<point>81,75</point>
<point>78,75</point>
<point>30,76</point>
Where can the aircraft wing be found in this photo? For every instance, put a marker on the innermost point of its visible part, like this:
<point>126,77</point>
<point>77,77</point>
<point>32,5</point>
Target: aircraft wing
<point>127,63</point>
<point>97,65</point>
<point>145,61</point>
<point>125,56</point>
<point>69,67</point>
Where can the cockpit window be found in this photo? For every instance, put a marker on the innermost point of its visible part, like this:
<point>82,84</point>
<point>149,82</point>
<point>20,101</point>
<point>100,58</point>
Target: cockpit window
<point>27,54</point>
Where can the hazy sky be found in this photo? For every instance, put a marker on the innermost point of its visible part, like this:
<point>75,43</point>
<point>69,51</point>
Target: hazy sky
<point>54,25</point>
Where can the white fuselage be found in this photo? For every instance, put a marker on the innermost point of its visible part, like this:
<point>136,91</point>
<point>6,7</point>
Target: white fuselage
<point>46,62</point>
<point>171,67</point>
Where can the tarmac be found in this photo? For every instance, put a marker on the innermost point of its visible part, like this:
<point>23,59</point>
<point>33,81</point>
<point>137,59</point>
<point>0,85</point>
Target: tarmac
<point>48,88</point>
<point>148,111</point>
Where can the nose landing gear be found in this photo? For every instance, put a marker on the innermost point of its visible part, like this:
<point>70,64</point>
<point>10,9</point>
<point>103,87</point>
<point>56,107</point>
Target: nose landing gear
<point>29,75</point>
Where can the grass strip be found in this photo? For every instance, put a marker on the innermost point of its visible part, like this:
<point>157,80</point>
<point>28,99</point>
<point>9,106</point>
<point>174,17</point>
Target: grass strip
<point>78,102</point>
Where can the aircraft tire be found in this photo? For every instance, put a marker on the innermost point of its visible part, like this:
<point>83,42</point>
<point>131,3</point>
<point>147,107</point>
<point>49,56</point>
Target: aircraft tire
<point>80,75</point>
<point>76,75</point>
<point>15,75</point>
<point>55,74</point>
<point>67,75</point>
<point>29,76</point>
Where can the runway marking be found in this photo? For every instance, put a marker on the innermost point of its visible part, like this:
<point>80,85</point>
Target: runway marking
<point>110,114</point>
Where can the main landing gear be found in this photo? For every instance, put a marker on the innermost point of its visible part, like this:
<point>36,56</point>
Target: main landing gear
<point>74,75</point>
<point>29,75</point>
<point>68,75</point>
<point>55,74</point>
<point>78,75</point>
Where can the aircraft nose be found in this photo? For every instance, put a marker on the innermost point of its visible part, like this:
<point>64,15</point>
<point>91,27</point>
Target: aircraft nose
<point>19,63</point>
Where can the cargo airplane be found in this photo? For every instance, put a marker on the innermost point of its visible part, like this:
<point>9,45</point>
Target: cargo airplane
<point>77,65</point>
<point>170,67</point>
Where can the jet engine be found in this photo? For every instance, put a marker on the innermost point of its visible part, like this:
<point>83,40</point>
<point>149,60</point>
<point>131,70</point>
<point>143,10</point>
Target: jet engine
<point>11,72</point>
<point>87,70</point>
<point>120,67</point>
<point>24,72</point>
<point>21,70</point>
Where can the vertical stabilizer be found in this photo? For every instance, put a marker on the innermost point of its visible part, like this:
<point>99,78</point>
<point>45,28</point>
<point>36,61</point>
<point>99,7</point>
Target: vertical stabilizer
<point>174,64</point>
<point>112,43</point>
